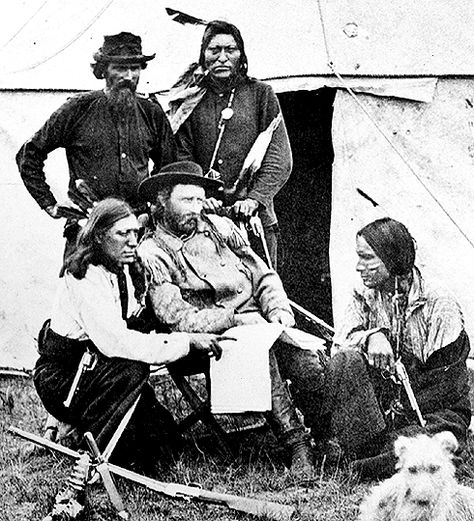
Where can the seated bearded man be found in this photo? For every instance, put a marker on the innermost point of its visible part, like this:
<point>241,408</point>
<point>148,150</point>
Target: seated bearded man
<point>205,278</point>
<point>364,409</point>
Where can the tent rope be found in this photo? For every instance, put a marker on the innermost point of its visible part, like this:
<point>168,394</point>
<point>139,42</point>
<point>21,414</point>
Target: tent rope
<point>332,66</point>
<point>24,25</point>
<point>325,36</point>
<point>68,44</point>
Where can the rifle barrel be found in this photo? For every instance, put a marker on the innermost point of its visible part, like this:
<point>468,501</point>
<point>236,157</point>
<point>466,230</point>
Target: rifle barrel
<point>256,507</point>
<point>312,317</point>
<point>405,381</point>
<point>39,440</point>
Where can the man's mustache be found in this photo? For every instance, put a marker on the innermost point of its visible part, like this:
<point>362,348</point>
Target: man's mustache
<point>190,218</point>
<point>126,84</point>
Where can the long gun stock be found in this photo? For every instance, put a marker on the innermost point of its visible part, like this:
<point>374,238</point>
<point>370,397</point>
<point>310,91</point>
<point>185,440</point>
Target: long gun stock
<point>400,370</point>
<point>402,377</point>
<point>242,504</point>
<point>255,507</point>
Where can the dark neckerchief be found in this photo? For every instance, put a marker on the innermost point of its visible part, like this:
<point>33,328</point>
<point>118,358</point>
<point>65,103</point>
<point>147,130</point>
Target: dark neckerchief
<point>122,284</point>
<point>123,291</point>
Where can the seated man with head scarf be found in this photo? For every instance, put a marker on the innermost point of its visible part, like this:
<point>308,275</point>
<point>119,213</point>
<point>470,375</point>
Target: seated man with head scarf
<point>395,315</point>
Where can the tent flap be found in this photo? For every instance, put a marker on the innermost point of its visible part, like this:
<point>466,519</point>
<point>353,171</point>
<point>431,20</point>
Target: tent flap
<point>436,141</point>
<point>415,89</point>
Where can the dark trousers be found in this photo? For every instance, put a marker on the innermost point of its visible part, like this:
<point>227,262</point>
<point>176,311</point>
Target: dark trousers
<point>306,372</point>
<point>357,397</point>
<point>303,368</point>
<point>103,397</point>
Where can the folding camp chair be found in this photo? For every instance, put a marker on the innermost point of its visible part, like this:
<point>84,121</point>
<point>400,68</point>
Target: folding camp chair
<point>200,409</point>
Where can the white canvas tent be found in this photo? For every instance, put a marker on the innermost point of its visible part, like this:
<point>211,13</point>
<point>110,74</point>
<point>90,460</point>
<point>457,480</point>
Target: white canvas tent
<point>410,62</point>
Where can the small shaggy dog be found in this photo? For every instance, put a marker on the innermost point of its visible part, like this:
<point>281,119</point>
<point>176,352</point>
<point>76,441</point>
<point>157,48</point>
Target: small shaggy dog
<point>424,488</point>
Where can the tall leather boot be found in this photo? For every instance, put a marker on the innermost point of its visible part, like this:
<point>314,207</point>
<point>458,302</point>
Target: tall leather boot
<point>287,425</point>
<point>301,455</point>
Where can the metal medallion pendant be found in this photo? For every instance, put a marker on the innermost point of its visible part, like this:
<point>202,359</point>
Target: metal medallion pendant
<point>227,113</point>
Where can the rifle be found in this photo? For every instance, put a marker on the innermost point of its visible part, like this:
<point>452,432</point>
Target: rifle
<point>325,329</point>
<point>255,224</point>
<point>255,507</point>
<point>401,375</point>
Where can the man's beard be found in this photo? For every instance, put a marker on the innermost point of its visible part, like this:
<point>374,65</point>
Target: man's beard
<point>180,224</point>
<point>122,98</point>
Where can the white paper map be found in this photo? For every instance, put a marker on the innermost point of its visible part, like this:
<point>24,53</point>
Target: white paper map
<point>240,380</point>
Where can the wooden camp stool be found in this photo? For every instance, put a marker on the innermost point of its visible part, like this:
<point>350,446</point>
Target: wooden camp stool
<point>200,407</point>
<point>200,411</point>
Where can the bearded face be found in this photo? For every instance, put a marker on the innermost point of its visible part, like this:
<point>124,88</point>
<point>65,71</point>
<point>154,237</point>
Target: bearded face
<point>181,210</point>
<point>181,224</point>
<point>121,82</point>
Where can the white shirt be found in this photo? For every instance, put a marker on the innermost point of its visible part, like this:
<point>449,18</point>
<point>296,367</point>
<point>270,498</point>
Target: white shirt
<point>90,308</point>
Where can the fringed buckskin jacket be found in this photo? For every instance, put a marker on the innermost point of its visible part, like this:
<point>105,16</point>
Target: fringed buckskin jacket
<point>199,282</point>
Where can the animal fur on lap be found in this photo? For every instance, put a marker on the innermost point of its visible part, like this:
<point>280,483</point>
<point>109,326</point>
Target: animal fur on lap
<point>424,488</point>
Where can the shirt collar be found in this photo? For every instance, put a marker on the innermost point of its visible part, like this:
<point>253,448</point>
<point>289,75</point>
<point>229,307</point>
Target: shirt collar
<point>416,295</point>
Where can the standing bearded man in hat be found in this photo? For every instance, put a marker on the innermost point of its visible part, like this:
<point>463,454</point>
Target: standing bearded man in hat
<point>109,135</point>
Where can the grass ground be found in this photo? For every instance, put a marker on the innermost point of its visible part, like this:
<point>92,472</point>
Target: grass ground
<point>30,480</point>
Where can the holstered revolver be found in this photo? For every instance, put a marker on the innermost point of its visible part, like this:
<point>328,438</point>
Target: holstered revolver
<point>87,363</point>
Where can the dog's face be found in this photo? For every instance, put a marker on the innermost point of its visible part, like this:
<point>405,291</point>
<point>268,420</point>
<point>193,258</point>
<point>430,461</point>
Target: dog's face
<point>425,463</point>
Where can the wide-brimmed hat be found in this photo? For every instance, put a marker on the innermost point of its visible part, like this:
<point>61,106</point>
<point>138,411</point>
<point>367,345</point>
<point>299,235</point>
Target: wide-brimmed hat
<point>122,48</point>
<point>181,172</point>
